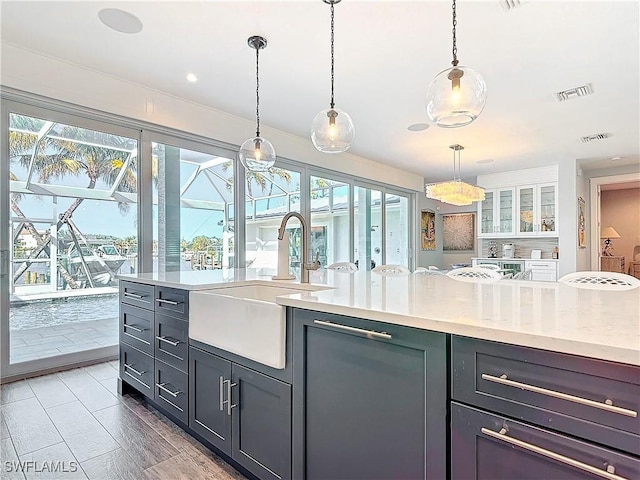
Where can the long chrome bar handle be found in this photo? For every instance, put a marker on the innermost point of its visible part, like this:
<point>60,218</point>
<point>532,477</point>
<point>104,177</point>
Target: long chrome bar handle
<point>129,367</point>
<point>162,387</point>
<point>133,295</point>
<point>229,397</point>
<point>170,302</point>
<point>222,393</point>
<point>162,338</point>
<point>501,435</point>
<point>368,333</point>
<point>134,328</point>
<point>607,405</point>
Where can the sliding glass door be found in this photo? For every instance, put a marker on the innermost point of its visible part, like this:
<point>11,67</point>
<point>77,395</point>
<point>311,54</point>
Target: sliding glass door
<point>68,206</point>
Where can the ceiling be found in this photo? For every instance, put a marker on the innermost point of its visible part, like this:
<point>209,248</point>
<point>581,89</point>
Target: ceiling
<point>387,52</point>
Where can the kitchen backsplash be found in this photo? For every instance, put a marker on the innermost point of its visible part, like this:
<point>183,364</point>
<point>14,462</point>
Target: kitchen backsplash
<point>523,246</point>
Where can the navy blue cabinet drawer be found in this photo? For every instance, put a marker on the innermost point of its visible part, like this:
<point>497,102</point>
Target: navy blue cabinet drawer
<point>136,368</point>
<point>173,302</point>
<point>136,327</point>
<point>136,294</point>
<point>172,341</point>
<point>171,391</point>
<point>488,447</point>
<point>591,399</point>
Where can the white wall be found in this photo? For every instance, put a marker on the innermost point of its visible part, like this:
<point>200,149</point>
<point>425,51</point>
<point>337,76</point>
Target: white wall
<point>31,72</point>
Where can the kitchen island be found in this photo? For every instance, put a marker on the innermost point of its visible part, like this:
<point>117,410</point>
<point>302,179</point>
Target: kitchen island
<point>433,346</point>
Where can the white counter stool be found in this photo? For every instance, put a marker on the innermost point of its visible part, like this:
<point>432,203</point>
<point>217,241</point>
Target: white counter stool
<point>523,275</point>
<point>489,266</point>
<point>600,280</point>
<point>427,271</point>
<point>474,274</point>
<point>343,267</point>
<point>392,270</point>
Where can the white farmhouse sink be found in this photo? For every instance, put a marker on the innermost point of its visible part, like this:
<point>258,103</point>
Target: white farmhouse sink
<point>244,320</point>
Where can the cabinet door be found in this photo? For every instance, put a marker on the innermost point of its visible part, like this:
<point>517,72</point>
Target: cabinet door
<point>489,447</point>
<point>526,214</point>
<point>486,215</point>
<point>261,419</point>
<point>208,414</point>
<point>505,210</point>
<point>547,209</point>
<point>370,400</point>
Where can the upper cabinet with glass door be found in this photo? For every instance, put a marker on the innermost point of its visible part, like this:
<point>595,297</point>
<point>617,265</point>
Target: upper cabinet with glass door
<point>496,213</point>
<point>538,210</point>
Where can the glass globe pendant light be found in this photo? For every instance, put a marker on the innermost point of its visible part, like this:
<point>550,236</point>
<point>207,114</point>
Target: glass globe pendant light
<point>257,154</point>
<point>332,130</point>
<point>457,95</point>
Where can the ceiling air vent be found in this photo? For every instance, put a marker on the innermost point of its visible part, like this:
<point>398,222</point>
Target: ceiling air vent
<point>508,5</point>
<point>594,137</point>
<point>574,93</point>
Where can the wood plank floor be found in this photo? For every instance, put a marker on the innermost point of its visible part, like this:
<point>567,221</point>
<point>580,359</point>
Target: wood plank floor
<point>75,425</point>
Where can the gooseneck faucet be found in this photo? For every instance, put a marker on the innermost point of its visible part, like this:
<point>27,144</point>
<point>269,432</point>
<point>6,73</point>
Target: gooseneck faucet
<point>305,267</point>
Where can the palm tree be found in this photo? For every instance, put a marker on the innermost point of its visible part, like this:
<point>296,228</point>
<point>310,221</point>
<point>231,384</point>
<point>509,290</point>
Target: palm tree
<point>72,152</point>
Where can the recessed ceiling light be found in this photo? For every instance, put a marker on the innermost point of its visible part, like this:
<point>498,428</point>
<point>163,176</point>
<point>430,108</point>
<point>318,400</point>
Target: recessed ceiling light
<point>418,127</point>
<point>120,21</point>
<point>191,77</point>
<point>613,159</point>
<point>485,161</point>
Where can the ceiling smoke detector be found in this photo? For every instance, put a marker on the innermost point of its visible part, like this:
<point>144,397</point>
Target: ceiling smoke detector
<point>594,137</point>
<point>574,93</point>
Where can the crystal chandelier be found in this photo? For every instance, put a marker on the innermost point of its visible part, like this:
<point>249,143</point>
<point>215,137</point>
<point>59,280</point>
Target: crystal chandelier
<point>257,154</point>
<point>455,192</point>
<point>458,94</point>
<point>332,129</point>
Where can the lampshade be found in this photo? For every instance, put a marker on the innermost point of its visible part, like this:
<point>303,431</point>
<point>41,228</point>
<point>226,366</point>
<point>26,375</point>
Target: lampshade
<point>609,232</point>
<point>257,153</point>
<point>457,95</point>
<point>455,192</point>
<point>332,129</point>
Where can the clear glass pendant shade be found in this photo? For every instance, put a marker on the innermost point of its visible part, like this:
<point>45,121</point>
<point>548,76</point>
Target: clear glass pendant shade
<point>456,97</point>
<point>332,131</point>
<point>257,154</point>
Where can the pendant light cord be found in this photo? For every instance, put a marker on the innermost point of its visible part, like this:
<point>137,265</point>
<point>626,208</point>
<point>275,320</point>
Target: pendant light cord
<point>332,54</point>
<point>455,47</point>
<point>257,92</point>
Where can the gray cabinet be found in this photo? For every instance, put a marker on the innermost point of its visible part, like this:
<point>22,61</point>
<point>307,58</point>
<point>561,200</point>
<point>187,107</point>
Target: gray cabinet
<point>536,414</point>
<point>154,337</point>
<point>370,399</point>
<point>244,413</point>
<point>485,446</point>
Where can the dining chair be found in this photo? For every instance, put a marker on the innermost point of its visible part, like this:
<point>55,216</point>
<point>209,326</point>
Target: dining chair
<point>473,274</point>
<point>600,280</point>
<point>489,266</point>
<point>427,271</point>
<point>343,267</point>
<point>523,275</point>
<point>392,270</point>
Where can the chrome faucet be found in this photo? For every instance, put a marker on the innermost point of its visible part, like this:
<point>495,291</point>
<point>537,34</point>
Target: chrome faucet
<point>305,267</point>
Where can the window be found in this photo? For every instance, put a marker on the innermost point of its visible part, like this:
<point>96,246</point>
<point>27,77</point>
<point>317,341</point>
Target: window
<point>330,220</point>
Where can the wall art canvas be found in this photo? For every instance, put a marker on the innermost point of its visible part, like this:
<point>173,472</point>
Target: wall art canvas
<point>428,230</point>
<point>582,232</point>
<point>458,232</point>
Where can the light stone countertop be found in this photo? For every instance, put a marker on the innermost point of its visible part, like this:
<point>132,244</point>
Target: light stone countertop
<point>601,324</point>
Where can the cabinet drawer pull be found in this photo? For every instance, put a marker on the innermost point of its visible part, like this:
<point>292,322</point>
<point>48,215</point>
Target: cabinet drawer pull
<point>129,367</point>
<point>166,340</point>
<point>135,329</point>
<point>170,302</point>
<point>368,333</point>
<point>501,435</point>
<point>228,400</point>
<point>607,405</point>
<point>222,402</point>
<point>162,387</point>
<point>133,295</point>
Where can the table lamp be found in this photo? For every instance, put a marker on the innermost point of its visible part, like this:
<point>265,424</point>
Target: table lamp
<point>607,246</point>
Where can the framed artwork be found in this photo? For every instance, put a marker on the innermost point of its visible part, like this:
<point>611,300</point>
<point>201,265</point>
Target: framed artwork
<point>458,232</point>
<point>428,230</point>
<point>582,233</point>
